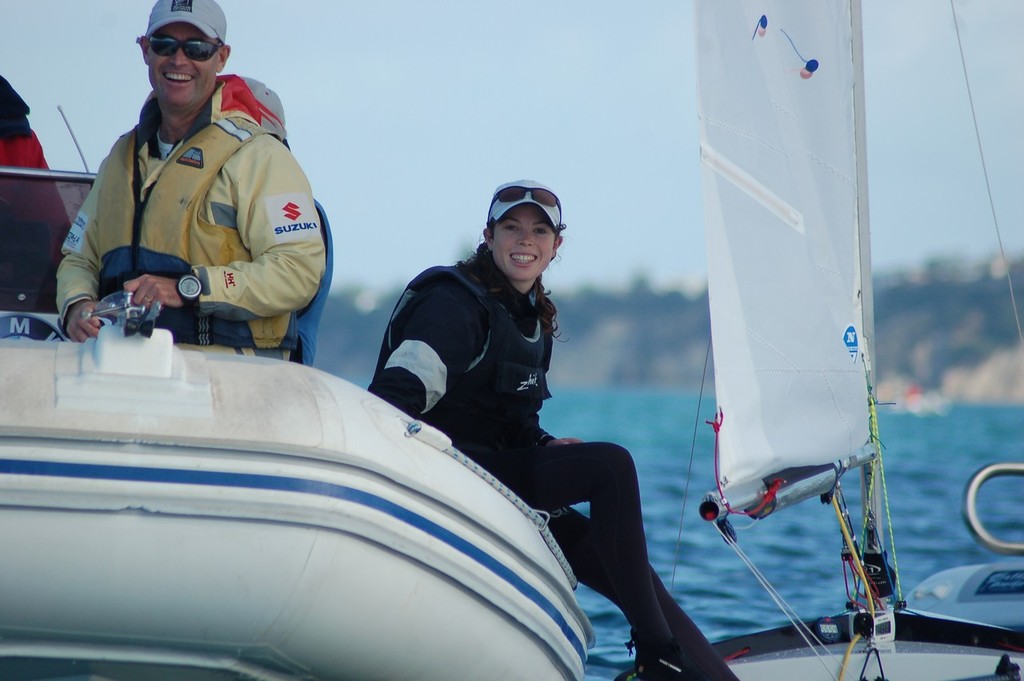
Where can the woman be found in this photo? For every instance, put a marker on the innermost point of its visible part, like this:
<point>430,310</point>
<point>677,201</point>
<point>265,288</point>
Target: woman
<point>467,350</point>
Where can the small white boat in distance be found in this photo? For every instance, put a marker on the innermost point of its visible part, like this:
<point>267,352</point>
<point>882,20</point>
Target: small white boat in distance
<point>175,514</point>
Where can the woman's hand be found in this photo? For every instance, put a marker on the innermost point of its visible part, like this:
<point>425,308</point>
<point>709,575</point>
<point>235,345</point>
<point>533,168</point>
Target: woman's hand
<point>564,441</point>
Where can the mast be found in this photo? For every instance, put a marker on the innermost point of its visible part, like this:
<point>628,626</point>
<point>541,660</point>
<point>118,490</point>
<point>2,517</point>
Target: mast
<point>871,485</point>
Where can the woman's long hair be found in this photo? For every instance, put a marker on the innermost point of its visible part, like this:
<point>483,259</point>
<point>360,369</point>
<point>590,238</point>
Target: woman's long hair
<point>480,266</point>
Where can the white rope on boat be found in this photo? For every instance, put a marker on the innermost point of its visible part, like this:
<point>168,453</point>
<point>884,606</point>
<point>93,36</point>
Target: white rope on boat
<point>539,518</point>
<point>820,651</point>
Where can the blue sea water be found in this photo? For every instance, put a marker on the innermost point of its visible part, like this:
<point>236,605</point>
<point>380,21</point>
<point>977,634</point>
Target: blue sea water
<point>928,461</point>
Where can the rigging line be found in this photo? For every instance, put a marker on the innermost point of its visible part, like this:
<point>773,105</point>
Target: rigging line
<point>892,541</point>
<point>878,468</point>
<point>820,651</point>
<point>850,554</point>
<point>988,184</point>
<point>888,517</point>
<point>872,650</point>
<point>693,446</point>
<point>858,566</point>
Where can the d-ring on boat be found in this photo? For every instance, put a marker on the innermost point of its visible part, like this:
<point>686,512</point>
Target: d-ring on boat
<point>176,514</point>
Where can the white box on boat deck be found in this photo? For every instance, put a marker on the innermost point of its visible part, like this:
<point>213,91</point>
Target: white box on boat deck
<point>133,355</point>
<point>134,374</point>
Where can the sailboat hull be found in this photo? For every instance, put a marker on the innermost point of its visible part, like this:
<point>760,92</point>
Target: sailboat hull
<point>925,648</point>
<point>931,662</point>
<point>252,519</point>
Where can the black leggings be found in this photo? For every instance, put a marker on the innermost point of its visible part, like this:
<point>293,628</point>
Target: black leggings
<point>608,550</point>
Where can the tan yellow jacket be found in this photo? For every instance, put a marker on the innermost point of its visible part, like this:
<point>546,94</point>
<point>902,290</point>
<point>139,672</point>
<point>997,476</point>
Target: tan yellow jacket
<point>230,203</point>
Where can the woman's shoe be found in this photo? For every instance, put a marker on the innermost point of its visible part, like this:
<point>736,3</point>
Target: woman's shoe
<point>664,662</point>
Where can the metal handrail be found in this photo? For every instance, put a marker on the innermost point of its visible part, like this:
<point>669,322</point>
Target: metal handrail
<point>18,171</point>
<point>984,537</point>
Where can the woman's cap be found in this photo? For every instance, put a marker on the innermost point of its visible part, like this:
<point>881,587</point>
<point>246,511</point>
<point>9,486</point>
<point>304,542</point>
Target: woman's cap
<point>206,15</point>
<point>512,194</point>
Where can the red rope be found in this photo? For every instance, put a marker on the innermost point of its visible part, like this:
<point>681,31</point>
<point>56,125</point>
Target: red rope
<point>770,494</point>
<point>769,497</point>
<point>716,425</point>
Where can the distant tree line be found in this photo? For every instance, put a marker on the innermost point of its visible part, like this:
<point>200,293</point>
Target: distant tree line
<point>927,322</point>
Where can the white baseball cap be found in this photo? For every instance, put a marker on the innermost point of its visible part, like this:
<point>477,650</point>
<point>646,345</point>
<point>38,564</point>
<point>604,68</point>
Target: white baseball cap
<point>206,15</point>
<point>512,194</point>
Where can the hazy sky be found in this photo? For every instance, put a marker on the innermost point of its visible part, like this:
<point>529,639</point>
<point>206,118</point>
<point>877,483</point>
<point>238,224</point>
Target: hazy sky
<point>406,114</point>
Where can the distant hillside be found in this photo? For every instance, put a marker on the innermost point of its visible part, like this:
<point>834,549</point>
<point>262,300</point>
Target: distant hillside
<point>948,327</point>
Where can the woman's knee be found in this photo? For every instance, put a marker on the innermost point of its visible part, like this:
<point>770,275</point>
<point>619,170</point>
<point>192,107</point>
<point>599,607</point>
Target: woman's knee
<point>616,459</point>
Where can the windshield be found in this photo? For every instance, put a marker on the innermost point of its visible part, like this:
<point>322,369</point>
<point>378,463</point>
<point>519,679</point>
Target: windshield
<point>36,211</point>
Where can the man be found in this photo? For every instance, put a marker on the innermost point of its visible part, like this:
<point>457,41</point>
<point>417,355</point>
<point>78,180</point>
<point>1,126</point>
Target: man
<point>198,208</point>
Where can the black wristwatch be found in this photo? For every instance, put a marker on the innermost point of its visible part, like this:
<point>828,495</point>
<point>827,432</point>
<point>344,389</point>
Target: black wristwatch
<point>189,288</point>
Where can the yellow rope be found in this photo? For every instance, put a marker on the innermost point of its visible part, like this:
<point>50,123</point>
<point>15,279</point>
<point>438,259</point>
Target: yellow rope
<point>846,657</point>
<point>857,566</point>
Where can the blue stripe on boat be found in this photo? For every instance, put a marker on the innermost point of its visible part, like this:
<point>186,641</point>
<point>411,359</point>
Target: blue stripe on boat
<point>287,484</point>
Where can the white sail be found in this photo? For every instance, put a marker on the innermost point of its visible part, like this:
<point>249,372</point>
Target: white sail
<point>786,220</point>
<point>789,280</point>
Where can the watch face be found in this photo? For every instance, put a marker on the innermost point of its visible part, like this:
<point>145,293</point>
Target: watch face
<point>189,287</point>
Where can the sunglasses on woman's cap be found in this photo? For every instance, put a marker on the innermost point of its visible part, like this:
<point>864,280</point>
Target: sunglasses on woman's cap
<point>516,194</point>
<point>195,49</point>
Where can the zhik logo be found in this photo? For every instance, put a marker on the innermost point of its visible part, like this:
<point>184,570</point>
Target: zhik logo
<point>528,383</point>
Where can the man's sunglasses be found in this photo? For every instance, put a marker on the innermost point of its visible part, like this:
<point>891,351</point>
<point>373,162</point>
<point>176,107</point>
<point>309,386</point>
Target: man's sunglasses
<point>194,48</point>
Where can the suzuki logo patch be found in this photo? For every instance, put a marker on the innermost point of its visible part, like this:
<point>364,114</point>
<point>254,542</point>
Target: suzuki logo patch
<point>192,158</point>
<point>292,217</point>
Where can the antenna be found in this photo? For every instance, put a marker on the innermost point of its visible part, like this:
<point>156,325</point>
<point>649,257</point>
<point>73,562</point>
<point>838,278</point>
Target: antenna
<point>73,138</point>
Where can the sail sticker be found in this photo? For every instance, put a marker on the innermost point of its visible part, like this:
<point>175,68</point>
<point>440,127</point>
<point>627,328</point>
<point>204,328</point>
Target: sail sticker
<point>761,28</point>
<point>809,65</point>
<point>852,341</point>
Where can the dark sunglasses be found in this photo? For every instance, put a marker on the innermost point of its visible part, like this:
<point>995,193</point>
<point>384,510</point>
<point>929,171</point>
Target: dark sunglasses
<point>194,48</point>
<point>541,196</point>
